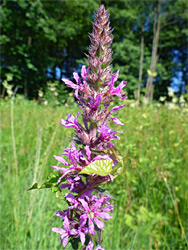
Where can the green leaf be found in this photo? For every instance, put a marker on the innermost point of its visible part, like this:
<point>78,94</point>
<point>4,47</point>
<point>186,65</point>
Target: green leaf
<point>44,185</point>
<point>51,182</point>
<point>53,177</point>
<point>100,167</point>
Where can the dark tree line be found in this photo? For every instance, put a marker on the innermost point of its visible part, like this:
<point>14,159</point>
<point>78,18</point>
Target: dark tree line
<point>150,47</point>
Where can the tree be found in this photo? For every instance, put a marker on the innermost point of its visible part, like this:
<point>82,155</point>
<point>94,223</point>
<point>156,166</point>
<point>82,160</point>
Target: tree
<point>154,56</point>
<point>42,35</point>
<point>162,24</point>
<point>38,37</point>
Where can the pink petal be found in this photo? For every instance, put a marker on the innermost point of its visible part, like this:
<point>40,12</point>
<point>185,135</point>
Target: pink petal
<point>85,205</point>
<point>69,83</point>
<point>66,224</point>
<point>113,79</point>
<point>122,84</point>
<point>73,232</point>
<point>116,75</point>
<point>123,97</point>
<point>91,227</point>
<point>96,205</point>
<point>97,101</point>
<point>90,246</point>
<point>76,120</point>
<point>84,72</point>
<point>65,173</point>
<point>60,214</point>
<point>58,230</point>
<point>116,108</point>
<point>82,237</point>
<point>99,223</point>
<point>61,159</point>
<point>65,241</point>
<point>99,248</point>
<point>71,198</point>
<point>83,219</point>
<point>76,77</point>
<point>104,215</point>
<point>88,152</point>
<point>59,168</point>
<point>116,120</point>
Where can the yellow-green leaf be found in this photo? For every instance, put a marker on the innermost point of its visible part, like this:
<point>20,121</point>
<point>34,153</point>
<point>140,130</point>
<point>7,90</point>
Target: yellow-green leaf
<point>100,167</point>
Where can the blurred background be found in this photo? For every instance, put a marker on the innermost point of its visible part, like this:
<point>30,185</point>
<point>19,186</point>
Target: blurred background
<point>43,41</point>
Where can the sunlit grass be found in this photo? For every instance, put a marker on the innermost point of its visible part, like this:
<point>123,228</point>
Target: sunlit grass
<point>152,207</point>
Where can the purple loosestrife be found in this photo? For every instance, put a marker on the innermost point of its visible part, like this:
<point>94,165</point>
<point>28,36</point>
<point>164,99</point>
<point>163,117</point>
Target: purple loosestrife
<point>92,159</point>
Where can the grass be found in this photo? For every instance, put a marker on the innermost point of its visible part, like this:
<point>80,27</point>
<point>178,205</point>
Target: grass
<point>152,207</point>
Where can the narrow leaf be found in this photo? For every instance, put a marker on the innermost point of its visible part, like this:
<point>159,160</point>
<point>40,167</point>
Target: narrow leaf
<point>44,185</point>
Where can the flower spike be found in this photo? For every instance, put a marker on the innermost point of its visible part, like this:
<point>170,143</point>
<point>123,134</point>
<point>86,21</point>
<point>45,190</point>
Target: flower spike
<point>91,160</point>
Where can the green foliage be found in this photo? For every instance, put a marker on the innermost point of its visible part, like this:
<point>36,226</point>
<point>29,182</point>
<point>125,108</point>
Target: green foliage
<point>151,208</point>
<point>128,19</point>
<point>38,36</point>
<point>54,94</point>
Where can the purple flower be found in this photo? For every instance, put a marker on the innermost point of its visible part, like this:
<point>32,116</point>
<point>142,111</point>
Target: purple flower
<point>94,102</point>
<point>82,134</point>
<point>83,87</point>
<point>63,214</point>
<point>75,156</point>
<point>78,230</point>
<point>107,134</point>
<point>75,184</point>
<point>71,199</point>
<point>65,171</point>
<point>116,90</point>
<point>76,160</point>
<point>91,213</point>
<point>90,247</point>
<point>71,122</point>
<point>104,136</point>
<point>99,248</point>
<point>94,90</point>
<point>65,234</point>
<point>82,232</point>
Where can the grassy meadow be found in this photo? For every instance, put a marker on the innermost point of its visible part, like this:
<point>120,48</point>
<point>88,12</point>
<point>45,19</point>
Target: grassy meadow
<point>151,210</point>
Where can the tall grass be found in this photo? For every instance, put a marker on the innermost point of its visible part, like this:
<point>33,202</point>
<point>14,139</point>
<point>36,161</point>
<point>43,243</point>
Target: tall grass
<point>152,207</point>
